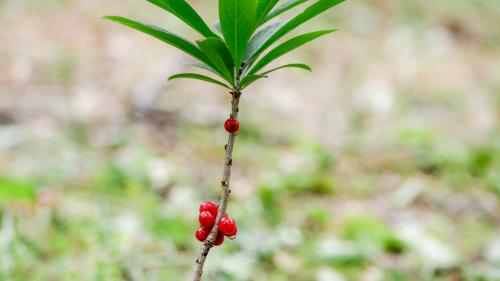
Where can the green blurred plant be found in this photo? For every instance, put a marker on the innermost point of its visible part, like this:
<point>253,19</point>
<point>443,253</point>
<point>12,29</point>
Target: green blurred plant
<point>237,57</point>
<point>16,190</point>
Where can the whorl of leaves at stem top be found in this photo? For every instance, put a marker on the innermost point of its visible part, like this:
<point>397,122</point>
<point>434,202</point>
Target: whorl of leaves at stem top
<point>235,54</point>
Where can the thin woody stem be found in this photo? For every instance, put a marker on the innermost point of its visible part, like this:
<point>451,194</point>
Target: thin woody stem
<point>228,160</point>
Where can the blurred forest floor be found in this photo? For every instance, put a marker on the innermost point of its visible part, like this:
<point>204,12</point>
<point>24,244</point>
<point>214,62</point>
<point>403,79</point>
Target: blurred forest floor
<point>383,164</point>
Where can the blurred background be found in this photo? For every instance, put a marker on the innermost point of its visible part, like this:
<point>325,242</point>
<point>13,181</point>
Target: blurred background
<point>382,164</point>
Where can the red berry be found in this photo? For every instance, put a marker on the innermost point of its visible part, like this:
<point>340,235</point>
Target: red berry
<point>202,234</point>
<point>209,206</point>
<point>232,235</point>
<point>227,225</point>
<point>219,239</point>
<point>206,219</point>
<point>231,125</point>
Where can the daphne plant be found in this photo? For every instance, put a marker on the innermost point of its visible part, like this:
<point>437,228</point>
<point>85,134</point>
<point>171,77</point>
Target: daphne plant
<point>236,53</point>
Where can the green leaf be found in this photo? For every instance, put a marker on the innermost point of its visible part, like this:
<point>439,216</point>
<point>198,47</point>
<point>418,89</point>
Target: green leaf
<point>218,54</point>
<point>198,77</point>
<point>288,46</point>
<point>295,65</point>
<point>162,35</point>
<point>283,8</point>
<point>263,8</point>
<point>202,66</point>
<point>16,190</point>
<point>312,11</point>
<point>186,13</point>
<point>237,19</point>
<point>249,79</point>
<point>260,38</point>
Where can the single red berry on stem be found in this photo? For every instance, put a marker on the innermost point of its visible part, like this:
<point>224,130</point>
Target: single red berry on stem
<point>209,206</point>
<point>219,240</point>
<point>202,234</point>
<point>231,125</point>
<point>206,219</point>
<point>227,225</point>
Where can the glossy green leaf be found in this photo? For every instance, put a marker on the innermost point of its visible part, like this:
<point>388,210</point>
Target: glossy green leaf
<point>218,54</point>
<point>250,79</point>
<point>198,77</point>
<point>16,190</point>
<point>202,66</point>
<point>237,19</point>
<point>288,46</point>
<point>295,65</point>
<point>312,11</point>
<point>283,8</point>
<point>186,13</point>
<point>254,77</point>
<point>162,35</point>
<point>260,38</point>
<point>263,8</point>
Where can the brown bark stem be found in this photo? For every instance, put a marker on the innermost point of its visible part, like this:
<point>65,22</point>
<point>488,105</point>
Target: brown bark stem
<point>226,176</point>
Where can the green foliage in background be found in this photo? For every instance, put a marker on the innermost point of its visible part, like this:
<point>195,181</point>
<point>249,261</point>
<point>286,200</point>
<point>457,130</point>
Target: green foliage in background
<point>16,190</point>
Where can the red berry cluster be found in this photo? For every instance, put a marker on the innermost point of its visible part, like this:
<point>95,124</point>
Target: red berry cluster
<point>231,125</point>
<point>208,213</point>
